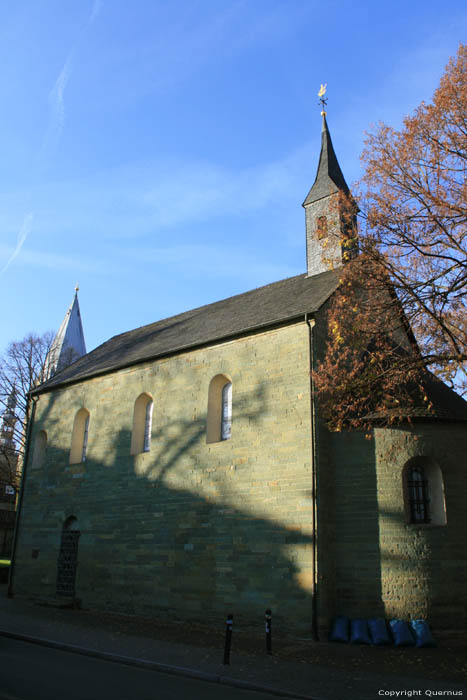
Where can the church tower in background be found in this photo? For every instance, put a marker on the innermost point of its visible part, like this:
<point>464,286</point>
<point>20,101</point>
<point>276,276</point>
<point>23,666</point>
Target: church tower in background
<point>68,344</point>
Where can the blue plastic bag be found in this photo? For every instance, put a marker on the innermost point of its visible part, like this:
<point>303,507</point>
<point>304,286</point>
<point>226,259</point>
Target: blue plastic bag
<point>359,632</point>
<point>340,629</point>
<point>401,632</point>
<point>378,631</point>
<point>423,636</point>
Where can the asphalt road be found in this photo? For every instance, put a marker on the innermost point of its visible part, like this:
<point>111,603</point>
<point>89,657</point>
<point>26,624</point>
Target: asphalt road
<point>33,672</point>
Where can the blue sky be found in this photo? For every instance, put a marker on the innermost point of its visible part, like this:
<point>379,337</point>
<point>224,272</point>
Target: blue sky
<point>158,152</point>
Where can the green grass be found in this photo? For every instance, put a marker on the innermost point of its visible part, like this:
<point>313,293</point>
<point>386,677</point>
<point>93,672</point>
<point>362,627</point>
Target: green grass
<point>4,562</point>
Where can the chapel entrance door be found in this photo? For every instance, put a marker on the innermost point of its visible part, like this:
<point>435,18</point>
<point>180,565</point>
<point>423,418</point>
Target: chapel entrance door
<point>68,559</point>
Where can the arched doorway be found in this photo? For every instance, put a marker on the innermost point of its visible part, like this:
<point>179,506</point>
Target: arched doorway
<point>68,558</point>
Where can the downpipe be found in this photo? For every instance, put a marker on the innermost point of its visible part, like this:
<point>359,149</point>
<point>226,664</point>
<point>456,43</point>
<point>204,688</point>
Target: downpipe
<point>314,600</point>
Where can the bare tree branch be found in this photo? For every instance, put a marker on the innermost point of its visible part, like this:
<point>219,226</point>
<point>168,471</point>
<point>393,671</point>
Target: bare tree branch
<point>22,367</point>
<point>413,203</point>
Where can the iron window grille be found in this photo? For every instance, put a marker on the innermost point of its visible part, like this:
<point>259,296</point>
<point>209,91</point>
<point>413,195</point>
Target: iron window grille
<point>419,500</point>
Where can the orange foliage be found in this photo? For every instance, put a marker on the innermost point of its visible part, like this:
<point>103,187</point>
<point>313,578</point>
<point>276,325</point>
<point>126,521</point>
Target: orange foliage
<point>413,201</point>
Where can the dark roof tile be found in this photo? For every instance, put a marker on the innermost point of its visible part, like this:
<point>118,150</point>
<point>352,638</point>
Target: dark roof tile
<point>445,403</point>
<point>329,178</point>
<point>262,307</point>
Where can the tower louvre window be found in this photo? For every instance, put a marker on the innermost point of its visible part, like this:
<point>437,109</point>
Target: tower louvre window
<point>322,226</point>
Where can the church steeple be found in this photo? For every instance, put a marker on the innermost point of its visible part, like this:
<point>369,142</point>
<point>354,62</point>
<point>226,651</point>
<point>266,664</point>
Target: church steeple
<point>327,228</point>
<point>8,421</point>
<point>68,344</point>
<point>329,178</point>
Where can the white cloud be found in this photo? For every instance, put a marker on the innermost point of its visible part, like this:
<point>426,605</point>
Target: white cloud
<point>54,130</point>
<point>213,261</point>
<point>189,36</point>
<point>57,93</point>
<point>413,77</point>
<point>24,231</point>
<point>176,193</point>
<point>57,262</point>
<point>56,97</point>
<point>96,8</point>
<point>145,198</point>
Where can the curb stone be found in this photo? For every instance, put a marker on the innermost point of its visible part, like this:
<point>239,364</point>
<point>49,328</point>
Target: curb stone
<point>156,666</point>
<point>246,685</point>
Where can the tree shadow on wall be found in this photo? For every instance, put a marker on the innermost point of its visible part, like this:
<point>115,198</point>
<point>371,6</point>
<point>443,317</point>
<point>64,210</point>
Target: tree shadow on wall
<point>178,529</point>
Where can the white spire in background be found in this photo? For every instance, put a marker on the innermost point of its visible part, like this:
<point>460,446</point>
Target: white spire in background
<point>8,421</point>
<point>68,344</point>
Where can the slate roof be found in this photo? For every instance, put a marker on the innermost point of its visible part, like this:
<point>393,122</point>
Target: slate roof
<point>266,306</point>
<point>447,405</point>
<point>329,178</point>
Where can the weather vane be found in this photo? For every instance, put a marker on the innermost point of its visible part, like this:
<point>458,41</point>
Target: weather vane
<point>322,99</point>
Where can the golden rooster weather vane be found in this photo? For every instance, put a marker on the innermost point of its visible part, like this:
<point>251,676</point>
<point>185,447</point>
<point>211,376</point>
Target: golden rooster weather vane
<point>322,99</point>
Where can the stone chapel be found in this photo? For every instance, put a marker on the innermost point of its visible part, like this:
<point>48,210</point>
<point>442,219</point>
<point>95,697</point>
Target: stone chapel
<point>182,469</point>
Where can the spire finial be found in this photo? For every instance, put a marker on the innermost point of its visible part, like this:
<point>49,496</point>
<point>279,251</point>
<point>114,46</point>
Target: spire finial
<point>322,99</point>
<point>77,287</point>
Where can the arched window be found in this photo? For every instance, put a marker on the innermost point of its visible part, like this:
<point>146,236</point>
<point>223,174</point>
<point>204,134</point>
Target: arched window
<point>142,424</point>
<point>79,438</point>
<point>68,558</point>
<point>226,419</point>
<point>40,446</point>
<point>147,427</point>
<point>424,492</point>
<point>417,487</point>
<point>322,226</point>
<point>219,419</point>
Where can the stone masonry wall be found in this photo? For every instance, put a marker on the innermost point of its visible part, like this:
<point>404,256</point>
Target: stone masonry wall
<point>189,528</point>
<point>385,565</point>
<point>423,567</point>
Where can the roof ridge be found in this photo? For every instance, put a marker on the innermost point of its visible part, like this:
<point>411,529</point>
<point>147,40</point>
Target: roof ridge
<point>274,303</point>
<point>206,306</point>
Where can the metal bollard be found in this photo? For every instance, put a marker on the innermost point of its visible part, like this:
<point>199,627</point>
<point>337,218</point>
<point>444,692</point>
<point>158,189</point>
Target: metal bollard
<point>268,617</point>
<point>228,639</point>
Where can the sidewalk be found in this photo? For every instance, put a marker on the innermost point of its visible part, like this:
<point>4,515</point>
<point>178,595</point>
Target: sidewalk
<point>326,671</point>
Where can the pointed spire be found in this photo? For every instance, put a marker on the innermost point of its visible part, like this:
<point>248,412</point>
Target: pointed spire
<point>329,178</point>
<point>68,344</point>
